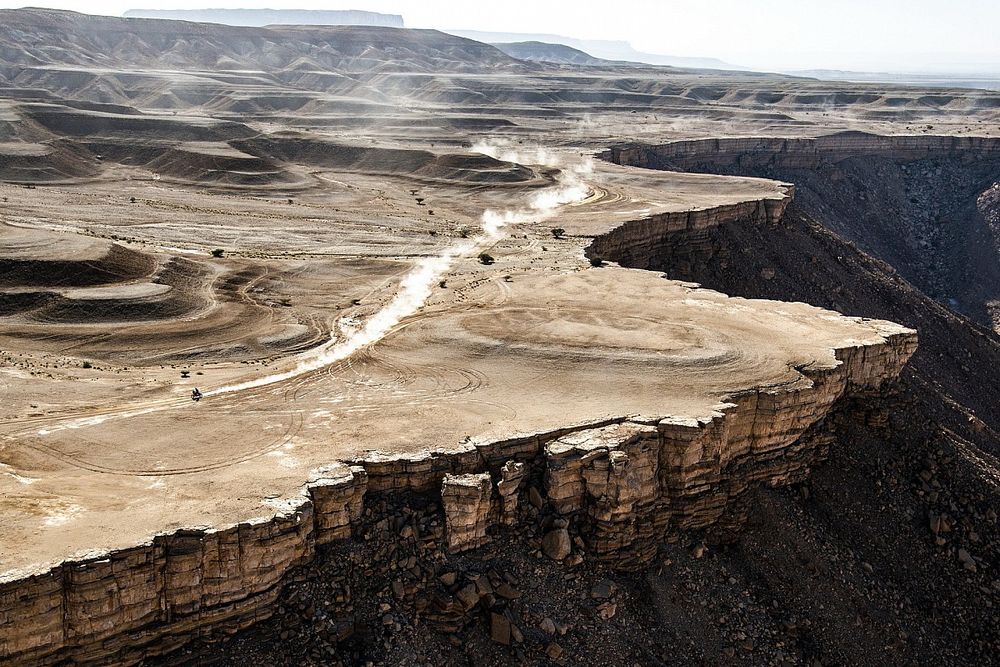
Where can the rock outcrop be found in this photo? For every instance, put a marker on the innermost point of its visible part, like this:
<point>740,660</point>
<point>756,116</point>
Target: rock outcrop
<point>797,153</point>
<point>623,483</point>
<point>638,242</point>
<point>467,500</point>
<point>511,476</point>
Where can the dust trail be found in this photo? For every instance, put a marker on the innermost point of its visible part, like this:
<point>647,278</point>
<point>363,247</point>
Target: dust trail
<point>569,186</point>
<point>416,287</point>
<point>414,290</point>
<point>507,151</point>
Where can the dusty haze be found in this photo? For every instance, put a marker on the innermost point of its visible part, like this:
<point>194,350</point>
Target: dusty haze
<point>773,35</point>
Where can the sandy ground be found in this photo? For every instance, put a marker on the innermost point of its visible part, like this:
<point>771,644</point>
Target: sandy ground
<point>112,307</point>
<point>101,457</point>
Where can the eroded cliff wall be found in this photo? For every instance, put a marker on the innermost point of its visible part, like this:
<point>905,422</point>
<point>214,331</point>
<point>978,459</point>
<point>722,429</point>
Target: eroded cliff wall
<point>800,153</point>
<point>638,243</point>
<point>923,204</point>
<point>623,482</point>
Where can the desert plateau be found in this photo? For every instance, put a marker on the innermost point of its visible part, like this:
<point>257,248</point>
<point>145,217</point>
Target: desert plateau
<point>370,345</point>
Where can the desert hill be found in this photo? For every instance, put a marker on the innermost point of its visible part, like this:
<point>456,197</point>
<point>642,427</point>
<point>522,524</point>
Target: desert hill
<point>550,53</point>
<point>263,17</point>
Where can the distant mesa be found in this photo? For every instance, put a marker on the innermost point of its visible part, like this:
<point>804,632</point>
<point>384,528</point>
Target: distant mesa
<point>262,17</point>
<point>544,52</point>
<point>601,49</point>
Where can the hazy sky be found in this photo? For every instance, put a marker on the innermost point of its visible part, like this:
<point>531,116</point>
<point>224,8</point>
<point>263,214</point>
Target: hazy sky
<point>900,35</point>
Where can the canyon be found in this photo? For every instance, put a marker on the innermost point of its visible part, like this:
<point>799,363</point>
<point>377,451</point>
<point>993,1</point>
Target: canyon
<point>926,200</point>
<point>481,340</point>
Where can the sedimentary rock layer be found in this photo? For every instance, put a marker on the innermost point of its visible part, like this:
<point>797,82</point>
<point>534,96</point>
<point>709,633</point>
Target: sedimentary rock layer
<point>798,153</point>
<point>634,243</point>
<point>625,481</point>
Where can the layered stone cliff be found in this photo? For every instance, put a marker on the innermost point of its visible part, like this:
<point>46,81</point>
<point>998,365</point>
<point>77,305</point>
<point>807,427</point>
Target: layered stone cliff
<point>622,484</point>
<point>919,203</point>
<point>625,483</point>
<point>798,153</point>
<point>637,242</point>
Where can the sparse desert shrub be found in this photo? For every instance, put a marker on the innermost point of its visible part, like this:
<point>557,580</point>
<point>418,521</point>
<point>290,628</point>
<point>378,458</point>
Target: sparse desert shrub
<point>86,364</point>
<point>486,258</point>
<point>596,261</point>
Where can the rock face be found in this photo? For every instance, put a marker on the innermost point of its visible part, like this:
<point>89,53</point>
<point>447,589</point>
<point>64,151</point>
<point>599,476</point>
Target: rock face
<point>798,153</point>
<point>922,204</point>
<point>117,603</point>
<point>636,244</point>
<point>630,482</point>
<point>623,483</point>
<point>511,476</point>
<point>121,606</point>
<point>338,497</point>
<point>467,500</point>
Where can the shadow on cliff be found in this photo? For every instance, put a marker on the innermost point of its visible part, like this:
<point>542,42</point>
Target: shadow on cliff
<point>889,554</point>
